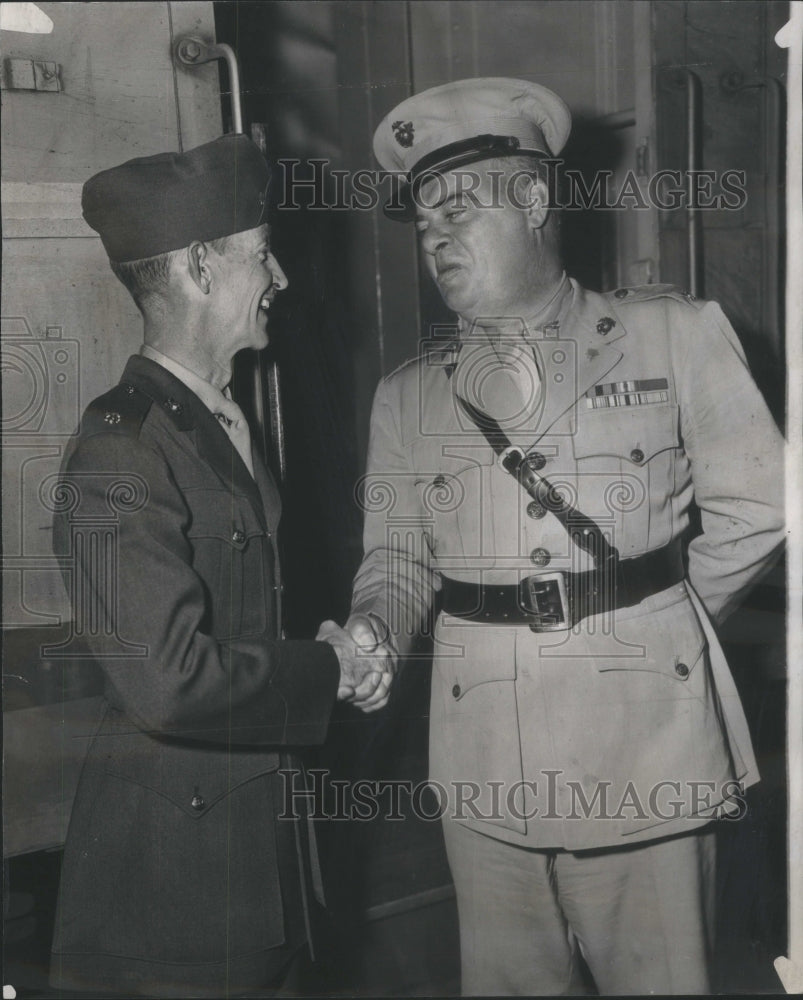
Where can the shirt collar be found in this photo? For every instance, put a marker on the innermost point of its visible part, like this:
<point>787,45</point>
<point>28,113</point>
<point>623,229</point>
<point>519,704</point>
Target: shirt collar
<point>553,310</point>
<point>533,326</point>
<point>212,398</point>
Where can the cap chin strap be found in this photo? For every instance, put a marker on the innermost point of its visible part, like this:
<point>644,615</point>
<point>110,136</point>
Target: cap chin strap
<point>456,154</point>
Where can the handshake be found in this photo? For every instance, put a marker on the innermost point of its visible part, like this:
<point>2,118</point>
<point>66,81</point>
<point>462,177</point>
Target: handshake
<point>367,660</point>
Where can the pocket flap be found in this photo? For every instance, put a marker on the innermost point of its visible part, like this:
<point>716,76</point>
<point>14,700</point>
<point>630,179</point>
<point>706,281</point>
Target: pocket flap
<point>636,433</point>
<point>474,654</point>
<point>216,515</point>
<point>672,643</point>
<point>195,778</point>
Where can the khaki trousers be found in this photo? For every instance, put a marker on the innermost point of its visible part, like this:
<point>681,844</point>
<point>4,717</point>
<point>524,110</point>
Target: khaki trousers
<point>642,916</point>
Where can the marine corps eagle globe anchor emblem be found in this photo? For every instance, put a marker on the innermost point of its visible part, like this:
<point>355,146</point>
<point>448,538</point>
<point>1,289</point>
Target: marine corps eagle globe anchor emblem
<point>404,133</point>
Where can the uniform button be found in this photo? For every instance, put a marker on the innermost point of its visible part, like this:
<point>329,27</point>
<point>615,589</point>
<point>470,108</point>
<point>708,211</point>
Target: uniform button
<point>620,293</point>
<point>112,418</point>
<point>173,405</point>
<point>535,460</point>
<point>540,557</point>
<point>439,480</point>
<point>605,325</point>
<point>129,389</point>
<point>534,509</point>
<point>682,670</point>
<point>238,536</point>
<point>456,691</point>
<point>198,802</point>
<point>637,455</point>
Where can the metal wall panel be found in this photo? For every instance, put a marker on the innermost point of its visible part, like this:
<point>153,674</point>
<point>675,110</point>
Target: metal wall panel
<point>121,97</point>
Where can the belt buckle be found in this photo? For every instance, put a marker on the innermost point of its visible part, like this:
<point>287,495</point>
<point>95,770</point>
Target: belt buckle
<point>544,597</point>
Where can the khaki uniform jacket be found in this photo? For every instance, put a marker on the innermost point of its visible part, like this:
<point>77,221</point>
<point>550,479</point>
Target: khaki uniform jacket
<point>628,727</point>
<point>173,880</point>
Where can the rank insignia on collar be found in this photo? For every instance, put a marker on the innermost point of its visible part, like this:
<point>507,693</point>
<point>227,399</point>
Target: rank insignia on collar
<point>403,132</point>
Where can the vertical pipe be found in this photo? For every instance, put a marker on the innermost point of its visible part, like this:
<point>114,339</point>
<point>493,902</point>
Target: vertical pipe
<point>694,92</point>
<point>266,379</point>
<point>276,421</point>
<point>234,83</point>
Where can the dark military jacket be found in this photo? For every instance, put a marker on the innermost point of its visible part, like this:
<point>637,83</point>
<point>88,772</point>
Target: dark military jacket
<point>179,879</point>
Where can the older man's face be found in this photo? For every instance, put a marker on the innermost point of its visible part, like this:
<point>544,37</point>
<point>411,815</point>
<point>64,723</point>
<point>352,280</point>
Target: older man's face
<point>247,280</point>
<point>478,246</point>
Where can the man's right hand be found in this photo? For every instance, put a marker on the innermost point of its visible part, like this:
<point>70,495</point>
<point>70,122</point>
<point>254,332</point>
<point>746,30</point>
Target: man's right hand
<point>367,661</point>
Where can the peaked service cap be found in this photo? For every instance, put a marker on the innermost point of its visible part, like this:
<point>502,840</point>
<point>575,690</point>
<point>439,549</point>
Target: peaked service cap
<point>154,204</point>
<point>466,121</point>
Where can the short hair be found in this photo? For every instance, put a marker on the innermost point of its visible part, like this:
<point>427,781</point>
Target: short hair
<point>150,276</point>
<point>530,165</point>
<point>537,167</point>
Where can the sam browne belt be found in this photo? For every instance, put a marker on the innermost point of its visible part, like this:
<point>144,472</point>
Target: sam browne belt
<point>550,602</point>
<point>558,600</point>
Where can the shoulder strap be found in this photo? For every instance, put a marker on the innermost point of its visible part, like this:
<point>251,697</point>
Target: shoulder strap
<point>583,530</point>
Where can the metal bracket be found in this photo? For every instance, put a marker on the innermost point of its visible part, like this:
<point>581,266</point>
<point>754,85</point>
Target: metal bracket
<point>33,74</point>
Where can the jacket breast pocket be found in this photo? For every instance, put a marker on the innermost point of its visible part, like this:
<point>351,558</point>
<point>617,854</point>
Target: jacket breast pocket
<point>455,499</point>
<point>232,555</point>
<point>624,460</point>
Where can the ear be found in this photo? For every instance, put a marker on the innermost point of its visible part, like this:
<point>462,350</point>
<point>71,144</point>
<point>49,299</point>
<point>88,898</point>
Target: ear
<point>535,198</point>
<point>197,266</point>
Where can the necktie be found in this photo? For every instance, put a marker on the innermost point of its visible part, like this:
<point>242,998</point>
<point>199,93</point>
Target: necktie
<point>233,420</point>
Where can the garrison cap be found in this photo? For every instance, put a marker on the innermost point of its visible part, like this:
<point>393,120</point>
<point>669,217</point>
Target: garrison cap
<point>155,204</point>
<point>465,121</point>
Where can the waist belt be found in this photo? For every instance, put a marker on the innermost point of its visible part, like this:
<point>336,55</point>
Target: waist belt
<point>550,602</point>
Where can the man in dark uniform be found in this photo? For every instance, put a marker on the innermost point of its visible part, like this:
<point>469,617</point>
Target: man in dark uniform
<point>531,481</point>
<point>180,878</point>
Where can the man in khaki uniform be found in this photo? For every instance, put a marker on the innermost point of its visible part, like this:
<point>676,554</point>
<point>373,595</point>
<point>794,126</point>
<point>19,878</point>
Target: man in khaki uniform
<point>528,489</point>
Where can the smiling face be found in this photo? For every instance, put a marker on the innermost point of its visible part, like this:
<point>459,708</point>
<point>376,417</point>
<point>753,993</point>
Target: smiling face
<point>482,249</point>
<point>246,279</point>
